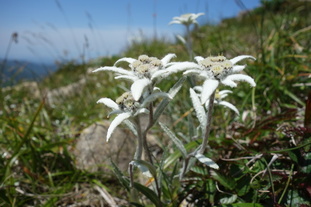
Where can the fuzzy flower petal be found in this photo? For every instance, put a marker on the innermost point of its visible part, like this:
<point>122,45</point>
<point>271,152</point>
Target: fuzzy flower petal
<point>116,122</point>
<point>209,86</point>
<point>241,57</point>
<point>109,102</point>
<point>175,68</point>
<point>229,80</point>
<point>129,60</point>
<point>114,69</point>
<point>138,87</point>
<point>167,58</point>
<point>230,106</point>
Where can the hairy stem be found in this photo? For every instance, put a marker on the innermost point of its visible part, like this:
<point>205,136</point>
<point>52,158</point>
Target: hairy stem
<point>140,140</point>
<point>208,126</point>
<point>146,148</point>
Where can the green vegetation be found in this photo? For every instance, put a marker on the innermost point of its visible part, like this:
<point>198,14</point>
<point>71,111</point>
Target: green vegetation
<point>37,133</point>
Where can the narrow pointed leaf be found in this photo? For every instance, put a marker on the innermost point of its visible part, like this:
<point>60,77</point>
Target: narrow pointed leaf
<point>172,92</point>
<point>152,97</point>
<point>207,161</point>
<point>122,179</point>
<point>151,195</point>
<point>145,167</point>
<point>199,110</point>
<point>175,140</point>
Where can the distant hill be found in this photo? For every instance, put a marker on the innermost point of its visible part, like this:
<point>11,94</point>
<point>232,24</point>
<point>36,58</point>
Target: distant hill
<point>14,71</point>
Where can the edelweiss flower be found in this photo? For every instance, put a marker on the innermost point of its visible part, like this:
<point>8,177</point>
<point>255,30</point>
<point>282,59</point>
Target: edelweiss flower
<point>126,106</point>
<point>146,72</point>
<point>186,19</point>
<point>218,69</point>
<point>219,96</point>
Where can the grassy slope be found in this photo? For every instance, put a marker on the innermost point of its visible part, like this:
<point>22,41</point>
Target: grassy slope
<point>36,137</point>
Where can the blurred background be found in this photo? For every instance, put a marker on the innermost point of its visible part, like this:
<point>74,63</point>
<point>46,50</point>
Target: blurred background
<point>63,30</point>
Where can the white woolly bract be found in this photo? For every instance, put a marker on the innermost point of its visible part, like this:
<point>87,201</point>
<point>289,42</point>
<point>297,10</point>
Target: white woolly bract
<point>116,122</point>
<point>138,87</point>
<point>109,102</point>
<point>125,59</point>
<point>230,106</point>
<point>241,57</point>
<point>167,58</point>
<point>114,69</point>
<point>209,86</point>
<point>229,80</point>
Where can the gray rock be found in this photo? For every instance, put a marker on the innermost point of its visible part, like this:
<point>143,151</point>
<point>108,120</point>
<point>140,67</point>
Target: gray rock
<point>93,153</point>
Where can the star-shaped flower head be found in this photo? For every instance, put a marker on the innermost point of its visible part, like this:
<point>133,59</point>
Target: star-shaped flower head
<point>186,19</point>
<point>146,72</point>
<point>126,107</point>
<point>219,69</point>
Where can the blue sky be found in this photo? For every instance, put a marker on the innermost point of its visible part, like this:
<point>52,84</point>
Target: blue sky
<point>64,29</point>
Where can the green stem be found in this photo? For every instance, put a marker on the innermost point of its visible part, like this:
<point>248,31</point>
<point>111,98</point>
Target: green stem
<point>208,126</point>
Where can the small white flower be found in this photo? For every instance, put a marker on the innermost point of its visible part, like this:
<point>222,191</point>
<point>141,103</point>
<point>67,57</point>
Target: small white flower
<point>218,69</point>
<point>146,72</point>
<point>126,107</point>
<point>186,19</point>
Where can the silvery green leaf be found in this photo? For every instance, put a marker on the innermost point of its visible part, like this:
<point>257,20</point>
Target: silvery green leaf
<point>109,102</point>
<point>209,86</point>
<point>167,58</point>
<point>138,87</point>
<point>229,200</point>
<point>141,111</point>
<point>172,92</point>
<point>114,69</point>
<point>199,110</point>
<point>175,140</point>
<point>145,167</point>
<point>229,80</point>
<point>176,87</point>
<point>230,106</point>
<point>117,111</point>
<point>153,97</point>
<point>116,122</point>
<point>207,161</point>
<point>131,126</point>
<point>241,57</point>
<point>129,60</point>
